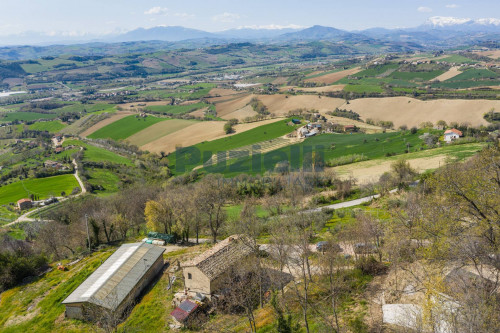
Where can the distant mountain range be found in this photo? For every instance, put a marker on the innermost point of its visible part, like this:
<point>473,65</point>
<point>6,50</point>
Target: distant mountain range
<point>437,32</point>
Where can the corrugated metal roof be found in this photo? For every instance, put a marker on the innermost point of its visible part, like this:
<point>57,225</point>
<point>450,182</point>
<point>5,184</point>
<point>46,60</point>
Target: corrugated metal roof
<point>183,310</point>
<point>117,276</point>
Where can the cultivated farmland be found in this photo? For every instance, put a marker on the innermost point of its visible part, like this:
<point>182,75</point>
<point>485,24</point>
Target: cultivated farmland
<point>159,130</point>
<point>412,112</point>
<point>125,127</point>
<point>333,77</point>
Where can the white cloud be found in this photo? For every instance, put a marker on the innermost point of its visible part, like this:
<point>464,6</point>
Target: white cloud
<point>488,21</point>
<point>424,9</point>
<point>272,27</point>
<point>453,5</point>
<point>226,17</point>
<point>156,11</point>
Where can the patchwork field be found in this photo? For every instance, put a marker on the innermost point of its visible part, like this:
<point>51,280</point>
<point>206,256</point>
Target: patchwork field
<point>117,116</point>
<point>333,77</point>
<point>332,88</point>
<point>43,187</point>
<point>158,130</point>
<point>125,127</point>
<point>199,132</point>
<point>412,112</point>
<point>280,105</point>
<point>452,72</point>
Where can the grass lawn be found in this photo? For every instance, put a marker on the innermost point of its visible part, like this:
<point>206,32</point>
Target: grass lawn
<point>44,187</point>
<point>125,127</point>
<point>49,126</point>
<point>26,116</point>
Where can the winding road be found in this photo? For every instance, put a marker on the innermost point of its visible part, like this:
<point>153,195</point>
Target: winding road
<point>25,218</point>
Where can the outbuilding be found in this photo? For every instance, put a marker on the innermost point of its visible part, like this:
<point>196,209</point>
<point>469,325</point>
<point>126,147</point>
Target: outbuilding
<point>113,287</point>
<point>205,273</point>
<point>24,204</point>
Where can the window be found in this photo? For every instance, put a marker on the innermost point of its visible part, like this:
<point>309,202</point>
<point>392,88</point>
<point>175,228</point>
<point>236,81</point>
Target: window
<point>190,276</point>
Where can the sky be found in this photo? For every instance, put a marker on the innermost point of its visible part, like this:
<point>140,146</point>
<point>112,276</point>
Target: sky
<point>101,17</point>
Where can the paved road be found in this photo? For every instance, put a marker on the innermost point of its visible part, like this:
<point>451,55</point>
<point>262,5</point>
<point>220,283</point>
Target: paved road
<point>348,203</point>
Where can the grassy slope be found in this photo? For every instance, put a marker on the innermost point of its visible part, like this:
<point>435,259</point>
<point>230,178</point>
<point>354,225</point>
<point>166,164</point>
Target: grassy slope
<point>96,154</point>
<point>44,187</point>
<point>259,134</point>
<point>51,290</point>
<point>49,126</point>
<point>345,144</point>
<point>125,127</point>
<point>26,116</point>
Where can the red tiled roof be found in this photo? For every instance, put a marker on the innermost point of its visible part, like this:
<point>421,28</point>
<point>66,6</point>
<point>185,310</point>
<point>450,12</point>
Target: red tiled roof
<point>23,200</point>
<point>454,130</point>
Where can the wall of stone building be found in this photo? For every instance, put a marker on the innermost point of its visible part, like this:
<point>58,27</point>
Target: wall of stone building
<point>199,282</point>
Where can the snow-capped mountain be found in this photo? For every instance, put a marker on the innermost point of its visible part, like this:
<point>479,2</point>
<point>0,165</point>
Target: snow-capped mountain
<point>463,24</point>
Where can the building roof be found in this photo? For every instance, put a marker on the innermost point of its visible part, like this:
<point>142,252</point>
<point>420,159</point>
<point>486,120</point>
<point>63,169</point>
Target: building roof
<point>453,130</point>
<point>183,311</point>
<point>113,281</point>
<point>23,200</point>
<point>215,261</point>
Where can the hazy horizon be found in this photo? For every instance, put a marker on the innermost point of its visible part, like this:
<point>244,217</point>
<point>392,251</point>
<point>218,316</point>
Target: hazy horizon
<point>98,18</point>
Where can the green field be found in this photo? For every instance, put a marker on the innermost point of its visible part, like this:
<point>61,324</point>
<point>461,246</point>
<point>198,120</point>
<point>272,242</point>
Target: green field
<point>424,76</point>
<point>25,116</point>
<point>176,109</point>
<point>330,146</point>
<point>105,178</point>
<point>125,127</point>
<point>377,70</point>
<point>43,187</point>
<point>96,154</point>
<point>474,74</point>
<point>363,88</point>
<point>49,126</point>
<point>259,134</point>
<point>458,59</point>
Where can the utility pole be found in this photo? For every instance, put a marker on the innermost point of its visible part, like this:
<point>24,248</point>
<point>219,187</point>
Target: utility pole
<point>88,235</point>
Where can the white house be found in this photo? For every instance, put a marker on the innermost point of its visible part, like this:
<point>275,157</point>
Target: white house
<point>452,134</point>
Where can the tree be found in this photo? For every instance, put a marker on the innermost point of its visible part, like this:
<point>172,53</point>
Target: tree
<point>403,173</point>
<point>283,324</point>
<point>212,194</point>
<point>160,214</point>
